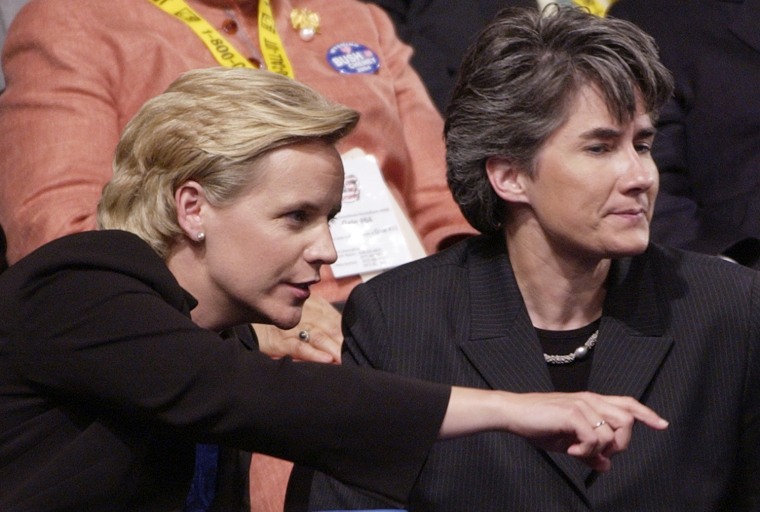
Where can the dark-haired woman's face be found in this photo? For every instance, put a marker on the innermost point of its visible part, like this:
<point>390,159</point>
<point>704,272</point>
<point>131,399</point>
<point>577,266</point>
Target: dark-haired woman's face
<point>265,250</point>
<point>594,185</point>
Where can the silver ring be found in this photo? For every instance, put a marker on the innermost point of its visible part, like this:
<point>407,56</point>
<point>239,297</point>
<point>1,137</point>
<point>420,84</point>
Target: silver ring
<point>599,423</point>
<point>304,336</point>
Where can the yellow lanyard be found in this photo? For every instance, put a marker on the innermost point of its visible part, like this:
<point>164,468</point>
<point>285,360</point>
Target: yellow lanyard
<point>225,53</point>
<point>271,45</point>
<point>595,7</point>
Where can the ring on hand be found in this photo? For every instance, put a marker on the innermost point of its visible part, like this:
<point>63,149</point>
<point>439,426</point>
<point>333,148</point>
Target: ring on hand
<point>599,423</point>
<point>304,336</point>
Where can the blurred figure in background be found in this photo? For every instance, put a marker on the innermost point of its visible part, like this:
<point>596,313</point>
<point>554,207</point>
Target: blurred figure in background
<point>708,137</point>
<point>440,31</point>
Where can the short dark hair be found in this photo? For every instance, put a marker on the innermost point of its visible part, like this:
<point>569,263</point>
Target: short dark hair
<point>516,84</point>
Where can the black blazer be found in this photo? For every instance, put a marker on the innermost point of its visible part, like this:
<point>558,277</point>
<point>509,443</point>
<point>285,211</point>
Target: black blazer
<point>708,142</point>
<point>680,332</point>
<point>440,31</point>
<point>106,385</point>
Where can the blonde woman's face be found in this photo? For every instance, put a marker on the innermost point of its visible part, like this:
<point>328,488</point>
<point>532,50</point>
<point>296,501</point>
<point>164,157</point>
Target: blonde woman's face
<point>264,251</point>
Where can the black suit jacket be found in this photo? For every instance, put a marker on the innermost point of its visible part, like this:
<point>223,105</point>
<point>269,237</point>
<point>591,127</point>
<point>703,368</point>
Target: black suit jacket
<point>106,385</point>
<point>708,142</point>
<point>679,331</point>
<point>440,31</point>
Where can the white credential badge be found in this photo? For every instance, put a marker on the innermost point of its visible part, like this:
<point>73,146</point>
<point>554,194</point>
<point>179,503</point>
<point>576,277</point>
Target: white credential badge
<point>371,232</point>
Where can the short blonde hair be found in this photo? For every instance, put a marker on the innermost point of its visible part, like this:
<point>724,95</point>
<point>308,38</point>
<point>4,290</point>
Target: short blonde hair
<point>210,126</point>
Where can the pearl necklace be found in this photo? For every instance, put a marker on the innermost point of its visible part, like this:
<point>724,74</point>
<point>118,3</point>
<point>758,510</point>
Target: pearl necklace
<point>579,353</point>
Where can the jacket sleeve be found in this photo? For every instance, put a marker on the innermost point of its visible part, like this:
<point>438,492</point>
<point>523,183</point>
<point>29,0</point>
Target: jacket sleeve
<point>111,341</point>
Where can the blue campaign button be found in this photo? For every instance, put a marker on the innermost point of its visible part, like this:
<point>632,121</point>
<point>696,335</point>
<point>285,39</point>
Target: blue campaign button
<point>353,58</point>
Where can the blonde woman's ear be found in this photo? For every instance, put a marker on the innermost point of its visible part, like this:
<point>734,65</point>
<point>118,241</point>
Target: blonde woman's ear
<point>190,199</point>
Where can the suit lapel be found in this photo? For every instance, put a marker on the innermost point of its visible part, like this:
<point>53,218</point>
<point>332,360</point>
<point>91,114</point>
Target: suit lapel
<point>503,345</point>
<point>631,347</point>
